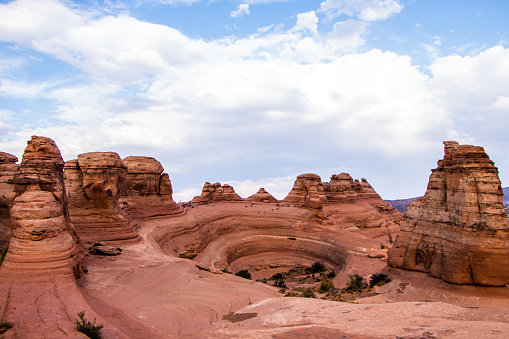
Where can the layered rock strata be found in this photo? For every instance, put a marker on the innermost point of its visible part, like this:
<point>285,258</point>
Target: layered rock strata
<point>307,191</point>
<point>148,189</point>
<point>8,169</point>
<point>95,182</point>
<point>42,235</point>
<point>262,196</point>
<point>342,188</point>
<point>216,193</point>
<point>459,230</point>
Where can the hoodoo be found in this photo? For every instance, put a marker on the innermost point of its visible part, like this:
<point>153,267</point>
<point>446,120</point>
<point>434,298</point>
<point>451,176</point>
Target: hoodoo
<point>216,193</point>
<point>148,189</point>
<point>95,182</point>
<point>459,230</point>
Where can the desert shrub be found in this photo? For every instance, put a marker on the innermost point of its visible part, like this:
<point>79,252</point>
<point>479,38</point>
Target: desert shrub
<point>3,252</point>
<point>331,274</point>
<point>4,326</point>
<point>355,284</point>
<point>277,276</point>
<point>308,293</point>
<point>291,294</point>
<point>91,330</point>
<point>317,267</point>
<point>280,283</point>
<point>325,286</point>
<point>379,279</point>
<point>243,274</point>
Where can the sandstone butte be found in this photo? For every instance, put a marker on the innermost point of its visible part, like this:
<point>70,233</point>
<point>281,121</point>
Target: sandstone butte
<point>459,230</point>
<point>152,290</point>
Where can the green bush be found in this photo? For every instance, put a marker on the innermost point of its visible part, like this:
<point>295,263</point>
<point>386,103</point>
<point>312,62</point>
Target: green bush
<point>326,286</point>
<point>243,274</point>
<point>3,252</point>
<point>355,284</point>
<point>317,267</point>
<point>91,330</point>
<point>331,274</point>
<point>308,293</point>
<point>280,283</point>
<point>379,279</point>
<point>277,276</point>
<point>5,326</point>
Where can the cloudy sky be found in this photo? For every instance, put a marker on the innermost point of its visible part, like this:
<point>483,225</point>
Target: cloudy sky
<point>254,93</point>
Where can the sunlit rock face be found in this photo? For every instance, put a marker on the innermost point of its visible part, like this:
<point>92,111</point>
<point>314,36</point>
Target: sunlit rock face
<point>216,193</point>
<point>262,196</point>
<point>42,235</point>
<point>307,191</point>
<point>148,189</point>
<point>8,169</point>
<point>342,188</point>
<point>459,230</point>
<point>95,182</point>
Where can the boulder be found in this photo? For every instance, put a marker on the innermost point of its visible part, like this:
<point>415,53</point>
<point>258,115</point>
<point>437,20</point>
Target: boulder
<point>262,196</point>
<point>459,230</point>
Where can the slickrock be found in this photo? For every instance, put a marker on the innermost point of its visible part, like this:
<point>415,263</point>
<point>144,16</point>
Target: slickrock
<point>8,168</point>
<point>262,196</point>
<point>148,189</point>
<point>216,193</point>
<point>95,183</point>
<point>307,191</point>
<point>459,230</point>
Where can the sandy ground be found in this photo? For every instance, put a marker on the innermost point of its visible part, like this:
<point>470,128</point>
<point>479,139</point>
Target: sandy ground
<point>149,292</point>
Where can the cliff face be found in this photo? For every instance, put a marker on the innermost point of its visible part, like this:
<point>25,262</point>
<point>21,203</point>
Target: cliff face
<point>459,230</point>
<point>342,188</point>
<point>42,236</point>
<point>148,189</point>
<point>216,193</point>
<point>8,169</point>
<point>307,191</point>
<point>95,182</point>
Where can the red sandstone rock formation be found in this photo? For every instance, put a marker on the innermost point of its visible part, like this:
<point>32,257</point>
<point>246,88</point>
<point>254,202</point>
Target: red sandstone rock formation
<point>216,193</point>
<point>95,182</point>
<point>148,189</point>
<point>342,188</point>
<point>262,196</point>
<point>307,191</point>
<point>459,230</point>
<point>8,168</point>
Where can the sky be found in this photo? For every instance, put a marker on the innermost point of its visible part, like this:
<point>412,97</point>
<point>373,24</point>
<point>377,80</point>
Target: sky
<point>254,93</point>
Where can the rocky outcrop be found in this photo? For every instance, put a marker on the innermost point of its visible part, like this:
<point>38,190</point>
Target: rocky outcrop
<point>216,193</point>
<point>307,191</point>
<point>95,182</point>
<point>459,230</point>
<point>148,189</point>
<point>42,235</point>
<point>262,196</point>
<point>8,169</point>
<point>342,188</point>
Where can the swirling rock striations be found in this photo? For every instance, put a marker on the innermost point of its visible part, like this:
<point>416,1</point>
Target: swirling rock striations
<point>95,182</point>
<point>216,193</point>
<point>459,230</point>
<point>148,189</point>
<point>262,196</point>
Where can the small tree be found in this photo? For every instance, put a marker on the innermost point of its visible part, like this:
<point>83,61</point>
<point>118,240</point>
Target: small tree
<point>91,330</point>
<point>355,284</point>
<point>378,279</point>
<point>326,286</point>
<point>243,274</point>
<point>317,267</point>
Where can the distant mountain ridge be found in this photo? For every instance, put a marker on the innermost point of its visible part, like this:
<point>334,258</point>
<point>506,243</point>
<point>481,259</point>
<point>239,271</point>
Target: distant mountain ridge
<point>401,204</point>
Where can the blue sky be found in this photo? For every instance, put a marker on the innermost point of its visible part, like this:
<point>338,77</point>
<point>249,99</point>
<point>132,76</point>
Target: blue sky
<point>254,93</point>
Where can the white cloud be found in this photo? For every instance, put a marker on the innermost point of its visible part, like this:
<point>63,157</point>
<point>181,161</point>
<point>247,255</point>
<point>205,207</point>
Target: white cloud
<point>239,13</point>
<point>366,10</point>
<point>307,22</point>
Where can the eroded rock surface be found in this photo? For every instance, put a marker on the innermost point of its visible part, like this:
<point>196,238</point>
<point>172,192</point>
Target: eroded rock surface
<point>262,196</point>
<point>95,182</point>
<point>459,230</point>
<point>216,193</point>
<point>8,169</point>
<point>148,189</point>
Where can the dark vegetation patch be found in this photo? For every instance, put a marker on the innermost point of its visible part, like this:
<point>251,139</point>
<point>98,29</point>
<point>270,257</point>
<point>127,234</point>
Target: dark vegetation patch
<point>237,317</point>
